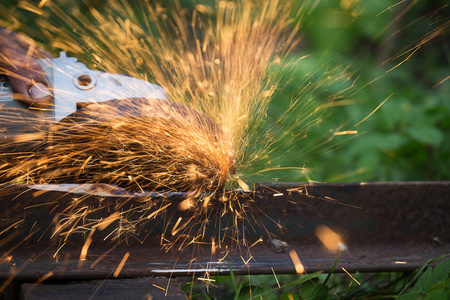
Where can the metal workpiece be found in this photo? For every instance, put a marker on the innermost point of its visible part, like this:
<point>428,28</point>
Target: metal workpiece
<point>139,288</point>
<point>381,226</point>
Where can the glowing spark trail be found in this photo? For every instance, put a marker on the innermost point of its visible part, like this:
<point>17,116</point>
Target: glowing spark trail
<point>351,276</point>
<point>299,268</point>
<point>120,266</point>
<point>368,116</point>
<point>330,239</point>
<point>86,245</point>
<point>43,278</point>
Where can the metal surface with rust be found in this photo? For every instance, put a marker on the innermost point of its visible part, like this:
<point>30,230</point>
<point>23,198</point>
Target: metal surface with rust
<point>394,226</point>
<point>125,289</point>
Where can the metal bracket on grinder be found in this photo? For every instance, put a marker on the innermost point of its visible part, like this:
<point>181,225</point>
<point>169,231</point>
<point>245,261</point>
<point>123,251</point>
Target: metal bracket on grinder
<point>74,83</point>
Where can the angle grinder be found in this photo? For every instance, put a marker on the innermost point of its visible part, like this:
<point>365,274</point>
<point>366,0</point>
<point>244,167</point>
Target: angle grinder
<point>110,128</point>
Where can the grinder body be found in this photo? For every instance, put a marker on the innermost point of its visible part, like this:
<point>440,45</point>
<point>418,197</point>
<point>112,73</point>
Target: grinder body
<point>73,86</point>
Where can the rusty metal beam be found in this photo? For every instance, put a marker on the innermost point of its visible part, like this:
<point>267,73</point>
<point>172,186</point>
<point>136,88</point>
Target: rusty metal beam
<point>387,226</point>
<point>139,288</point>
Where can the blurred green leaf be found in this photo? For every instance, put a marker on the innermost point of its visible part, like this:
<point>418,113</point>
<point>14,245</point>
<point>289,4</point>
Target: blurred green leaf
<point>427,135</point>
<point>419,286</point>
<point>439,294</point>
<point>256,292</point>
<point>409,296</point>
<point>314,291</point>
<point>440,273</point>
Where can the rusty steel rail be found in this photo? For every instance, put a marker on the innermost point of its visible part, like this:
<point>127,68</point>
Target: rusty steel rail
<point>386,226</point>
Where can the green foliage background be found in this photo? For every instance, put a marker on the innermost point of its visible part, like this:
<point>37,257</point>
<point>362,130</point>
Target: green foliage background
<point>407,138</point>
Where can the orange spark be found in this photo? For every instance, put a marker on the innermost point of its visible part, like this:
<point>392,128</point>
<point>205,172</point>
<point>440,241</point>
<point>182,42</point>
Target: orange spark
<point>103,255</point>
<point>213,246</point>
<point>299,268</point>
<point>330,239</point>
<point>6,258</point>
<point>86,245</point>
<point>351,276</point>
<point>246,261</point>
<point>11,278</point>
<point>346,132</point>
<point>122,263</point>
<point>57,250</point>
<point>174,232</point>
<point>107,221</point>
<point>157,211</point>
<point>441,82</point>
<point>46,276</point>
<point>206,201</point>
<point>29,137</point>
<point>186,204</point>
<point>159,287</point>
<point>42,3</point>
<point>243,185</point>
<point>176,225</point>
<point>208,281</point>
<point>257,242</point>
<point>168,282</point>
<point>275,275</point>
<point>368,116</point>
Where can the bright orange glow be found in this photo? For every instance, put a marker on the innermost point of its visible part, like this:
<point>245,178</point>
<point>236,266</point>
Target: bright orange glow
<point>159,287</point>
<point>213,246</point>
<point>122,263</point>
<point>246,261</point>
<point>351,276</point>
<point>257,242</point>
<point>299,268</point>
<point>46,276</point>
<point>243,185</point>
<point>275,275</point>
<point>186,204</point>
<point>331,240</point>
<point>107,221</point>
<point>153,214</point>
<point>86,245</point>
<point>346,132</point>
<point>206,201</point>
<point>176,225</point>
